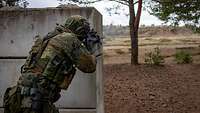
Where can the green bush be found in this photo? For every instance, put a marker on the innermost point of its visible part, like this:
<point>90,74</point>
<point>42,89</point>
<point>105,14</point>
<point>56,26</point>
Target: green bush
<point>154,58</point>
<point>183,57</point>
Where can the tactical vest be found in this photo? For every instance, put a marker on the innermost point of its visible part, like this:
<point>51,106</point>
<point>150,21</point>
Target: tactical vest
<point>58,69</point>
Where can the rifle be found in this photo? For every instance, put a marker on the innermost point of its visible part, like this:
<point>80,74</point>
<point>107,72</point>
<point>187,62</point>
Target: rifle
<point>93,42</point>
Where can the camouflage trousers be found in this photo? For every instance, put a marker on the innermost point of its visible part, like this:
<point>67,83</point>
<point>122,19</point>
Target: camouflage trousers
<point>14,102</point>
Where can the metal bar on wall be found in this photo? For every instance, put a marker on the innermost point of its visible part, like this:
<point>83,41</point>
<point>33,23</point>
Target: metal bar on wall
<point>91,108</point>
<point>13,57</point>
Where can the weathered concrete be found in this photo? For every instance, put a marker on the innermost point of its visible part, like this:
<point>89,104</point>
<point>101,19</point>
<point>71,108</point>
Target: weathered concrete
<point>17,29</point>
<point>19,25</point>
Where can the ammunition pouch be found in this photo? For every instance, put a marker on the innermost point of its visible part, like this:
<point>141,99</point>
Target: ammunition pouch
<point>12,100</point>
<point>49,90</point>
<point>39,94</point>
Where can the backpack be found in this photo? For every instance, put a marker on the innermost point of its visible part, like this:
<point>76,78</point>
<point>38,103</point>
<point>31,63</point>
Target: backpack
<point>39,47</point>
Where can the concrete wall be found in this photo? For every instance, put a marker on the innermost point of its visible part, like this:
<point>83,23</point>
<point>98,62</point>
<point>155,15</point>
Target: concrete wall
<point>17,29</point>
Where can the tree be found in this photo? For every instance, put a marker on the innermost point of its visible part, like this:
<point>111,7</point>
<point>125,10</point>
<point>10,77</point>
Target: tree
<point>12,3</point>
<point>134,20</point>
<point>176,11</point>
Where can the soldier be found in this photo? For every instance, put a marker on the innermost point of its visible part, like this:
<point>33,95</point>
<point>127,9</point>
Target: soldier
<point>50,67</point>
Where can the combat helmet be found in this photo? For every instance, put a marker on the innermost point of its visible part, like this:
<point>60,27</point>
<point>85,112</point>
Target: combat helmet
<point>78,25</point>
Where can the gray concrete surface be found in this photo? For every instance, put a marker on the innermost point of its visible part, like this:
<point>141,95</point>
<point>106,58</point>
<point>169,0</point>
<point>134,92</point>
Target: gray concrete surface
<point>17,31</point>
<point>19,27</point>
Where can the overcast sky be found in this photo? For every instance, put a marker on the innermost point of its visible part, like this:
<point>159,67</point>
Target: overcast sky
<point>100,6</point>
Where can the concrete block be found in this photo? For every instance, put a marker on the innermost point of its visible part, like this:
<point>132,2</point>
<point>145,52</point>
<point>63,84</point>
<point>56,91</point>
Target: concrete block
<point>18,28</point>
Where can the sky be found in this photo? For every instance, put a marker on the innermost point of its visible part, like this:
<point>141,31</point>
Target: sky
<point>122,19</point>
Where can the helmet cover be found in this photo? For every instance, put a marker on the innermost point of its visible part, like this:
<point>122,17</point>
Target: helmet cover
<point>78,25</point>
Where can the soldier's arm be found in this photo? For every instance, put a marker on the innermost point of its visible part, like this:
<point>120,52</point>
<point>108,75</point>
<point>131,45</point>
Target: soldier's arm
<point>82,58</point>
<point>84,61</point>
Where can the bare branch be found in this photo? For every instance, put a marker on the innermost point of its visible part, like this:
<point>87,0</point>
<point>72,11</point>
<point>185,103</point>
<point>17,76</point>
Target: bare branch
<point>135,2</point>
<point>123,2</point>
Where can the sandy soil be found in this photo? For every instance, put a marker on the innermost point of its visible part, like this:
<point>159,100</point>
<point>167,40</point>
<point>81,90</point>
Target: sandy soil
<point>171,88</point>
<point>145,89</point>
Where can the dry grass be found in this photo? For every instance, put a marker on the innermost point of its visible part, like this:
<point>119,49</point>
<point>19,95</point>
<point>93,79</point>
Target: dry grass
<point>165,40</point>
<point>118,49</point>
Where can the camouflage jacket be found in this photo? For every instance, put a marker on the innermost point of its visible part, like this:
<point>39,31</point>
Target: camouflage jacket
<point>63,53</point>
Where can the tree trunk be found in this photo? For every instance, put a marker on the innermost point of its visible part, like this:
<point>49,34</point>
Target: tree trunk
<point>134,37</point>
<point>134,25</point>
<point>133,34</point>
<point>134,45</point>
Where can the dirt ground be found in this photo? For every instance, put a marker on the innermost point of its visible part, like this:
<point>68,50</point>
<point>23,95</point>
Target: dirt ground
<point>147,89</point>
<point>171,88</point>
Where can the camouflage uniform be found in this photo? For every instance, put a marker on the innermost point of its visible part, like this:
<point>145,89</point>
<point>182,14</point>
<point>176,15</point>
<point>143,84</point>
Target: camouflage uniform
<point>50,68</point>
